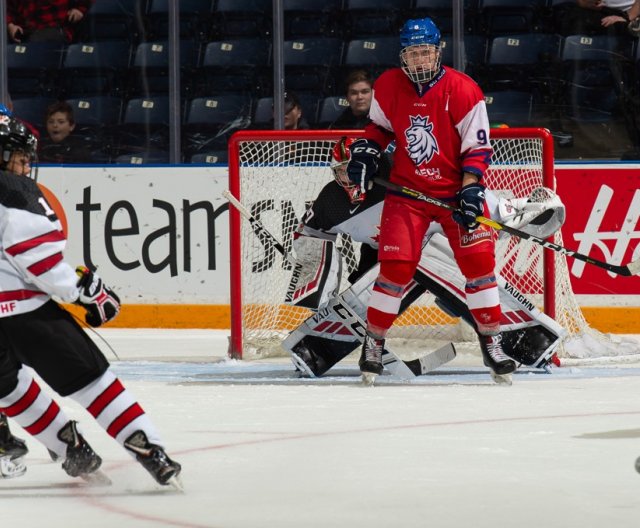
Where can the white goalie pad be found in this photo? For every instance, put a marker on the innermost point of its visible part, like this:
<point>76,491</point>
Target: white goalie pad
<point>519,315</point>
<point>316,274</point>
<point>541,214</point>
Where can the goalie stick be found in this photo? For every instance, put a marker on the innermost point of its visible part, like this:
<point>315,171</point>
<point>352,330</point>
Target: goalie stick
<point>627,270</point>
<point>415,367</point>
<point>259,229</point>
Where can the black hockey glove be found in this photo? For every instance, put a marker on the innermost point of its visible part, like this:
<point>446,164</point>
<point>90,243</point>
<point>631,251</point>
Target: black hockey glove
<point>471,200</point>
<point>101,303</point>
<point>363,163</point>
<point>634,27</point>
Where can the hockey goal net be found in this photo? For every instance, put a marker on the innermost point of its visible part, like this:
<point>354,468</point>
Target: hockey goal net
<point>277,174</point>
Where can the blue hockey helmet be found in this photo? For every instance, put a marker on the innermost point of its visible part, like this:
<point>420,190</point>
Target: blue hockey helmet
<point>420,56</point>
<point>419,31</point>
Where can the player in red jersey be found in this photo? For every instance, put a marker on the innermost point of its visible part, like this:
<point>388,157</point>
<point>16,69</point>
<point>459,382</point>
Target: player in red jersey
<point>438,118</point>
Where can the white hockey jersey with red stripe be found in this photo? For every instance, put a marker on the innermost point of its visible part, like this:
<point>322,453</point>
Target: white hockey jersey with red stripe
<point>32,268</point>
<point>441,130</point>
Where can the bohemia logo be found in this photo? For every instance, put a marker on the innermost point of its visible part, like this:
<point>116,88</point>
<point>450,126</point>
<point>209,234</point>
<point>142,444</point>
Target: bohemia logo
<point>592,236</point>
<point>421,143</point>
<point>475,237</point>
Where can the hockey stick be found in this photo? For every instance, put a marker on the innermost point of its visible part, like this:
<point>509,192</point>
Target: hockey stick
<point>415,367</point>
<point>633,268</point>
<point>259,229</point>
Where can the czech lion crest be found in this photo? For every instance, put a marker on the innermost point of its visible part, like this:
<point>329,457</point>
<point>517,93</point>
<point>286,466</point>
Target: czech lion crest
<point>421,143</point>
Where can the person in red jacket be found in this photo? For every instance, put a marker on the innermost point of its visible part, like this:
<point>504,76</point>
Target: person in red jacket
<point>53,20</point>
<point>438,118</point>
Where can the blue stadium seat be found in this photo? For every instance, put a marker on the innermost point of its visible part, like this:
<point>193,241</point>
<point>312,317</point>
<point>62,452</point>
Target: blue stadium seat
<point>241,18</point>
<point>143,158</point>
<point>32,110</point>
<point>376,54</point>
<point>595,72</point>
<point>591,104</point>
<point>33,68</point>
<point>194,19</point>
<point>218,110</point>
<point>304,18</point>
<point>211,120</point>
<point>121,20</point>
<point>440,11</point>
<point>262,112</point>
<point>375,17</point>
<point>93,68</point>
<point>310,63</point>
<point>236,65</point>
<point>96,111</point>
<point>517,61</point>
<point>330,110</point>
<point>149,74</point>
<point>145,125</point>
<point>210,157</point>
<point>474,56</point>
<point>511,107</point>
<point>512,16</point>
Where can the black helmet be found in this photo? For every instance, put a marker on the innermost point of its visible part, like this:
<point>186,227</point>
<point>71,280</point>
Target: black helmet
<point>14,135</point>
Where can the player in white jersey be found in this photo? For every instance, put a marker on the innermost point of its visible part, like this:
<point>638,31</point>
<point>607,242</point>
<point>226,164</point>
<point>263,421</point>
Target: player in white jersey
<point>37,333</point>
<point>340,208</point>
<point>438,118</point>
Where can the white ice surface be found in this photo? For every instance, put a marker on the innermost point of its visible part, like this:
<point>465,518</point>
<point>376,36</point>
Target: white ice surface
<point>262,448</point>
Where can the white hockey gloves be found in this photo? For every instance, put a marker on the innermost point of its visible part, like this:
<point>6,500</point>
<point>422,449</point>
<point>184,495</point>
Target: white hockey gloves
<point>363,163</point>
<point>471,200</point>
<point>101,303</point>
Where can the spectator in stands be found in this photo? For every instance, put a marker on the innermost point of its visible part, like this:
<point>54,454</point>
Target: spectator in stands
<point>293,119</point>
<point>589,17</point>
<point>60,145</point>
<point>38,21</point>
<point>359,91</point>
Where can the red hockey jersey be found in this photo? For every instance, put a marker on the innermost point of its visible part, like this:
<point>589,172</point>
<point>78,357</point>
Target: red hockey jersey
<point>440,133</point>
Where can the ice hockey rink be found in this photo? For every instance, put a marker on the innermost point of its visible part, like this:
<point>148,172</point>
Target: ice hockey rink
<point>262,448</point>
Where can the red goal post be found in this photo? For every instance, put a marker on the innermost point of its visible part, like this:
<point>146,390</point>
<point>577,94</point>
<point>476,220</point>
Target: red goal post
<point>275,174</point>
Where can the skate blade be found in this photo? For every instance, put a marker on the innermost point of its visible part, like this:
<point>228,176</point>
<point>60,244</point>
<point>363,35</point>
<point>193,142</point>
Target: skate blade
<point>12,468</point>
<point>369,378</point>
<point>501,379</point>
<point>176,483</point>
<point>97,478</point>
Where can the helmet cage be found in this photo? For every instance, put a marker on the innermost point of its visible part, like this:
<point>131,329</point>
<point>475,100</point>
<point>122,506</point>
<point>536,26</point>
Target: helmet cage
<point>354,192</point>
<point>421,62</point>
<point>15,137</point>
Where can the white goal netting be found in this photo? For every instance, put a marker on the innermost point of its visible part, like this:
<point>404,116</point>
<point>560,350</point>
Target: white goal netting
<point>276,175</point>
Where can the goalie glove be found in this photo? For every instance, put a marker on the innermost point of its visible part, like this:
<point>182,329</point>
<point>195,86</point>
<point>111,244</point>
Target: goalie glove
<point>363,163</point>
<point>471,200</point>
<point>101,303</point>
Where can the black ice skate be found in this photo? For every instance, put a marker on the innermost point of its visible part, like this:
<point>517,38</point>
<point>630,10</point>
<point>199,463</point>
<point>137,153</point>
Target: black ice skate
<point>12,449</point>
<point>371,359</point>
<point>494,357</point>
<point>154,460</point>
<point>10,446</point>
<point>81,460</point>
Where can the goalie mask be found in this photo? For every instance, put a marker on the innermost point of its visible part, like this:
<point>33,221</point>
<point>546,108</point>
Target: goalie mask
<point>18,147</point>
<point>339,160</point>
<point>420,56</point>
